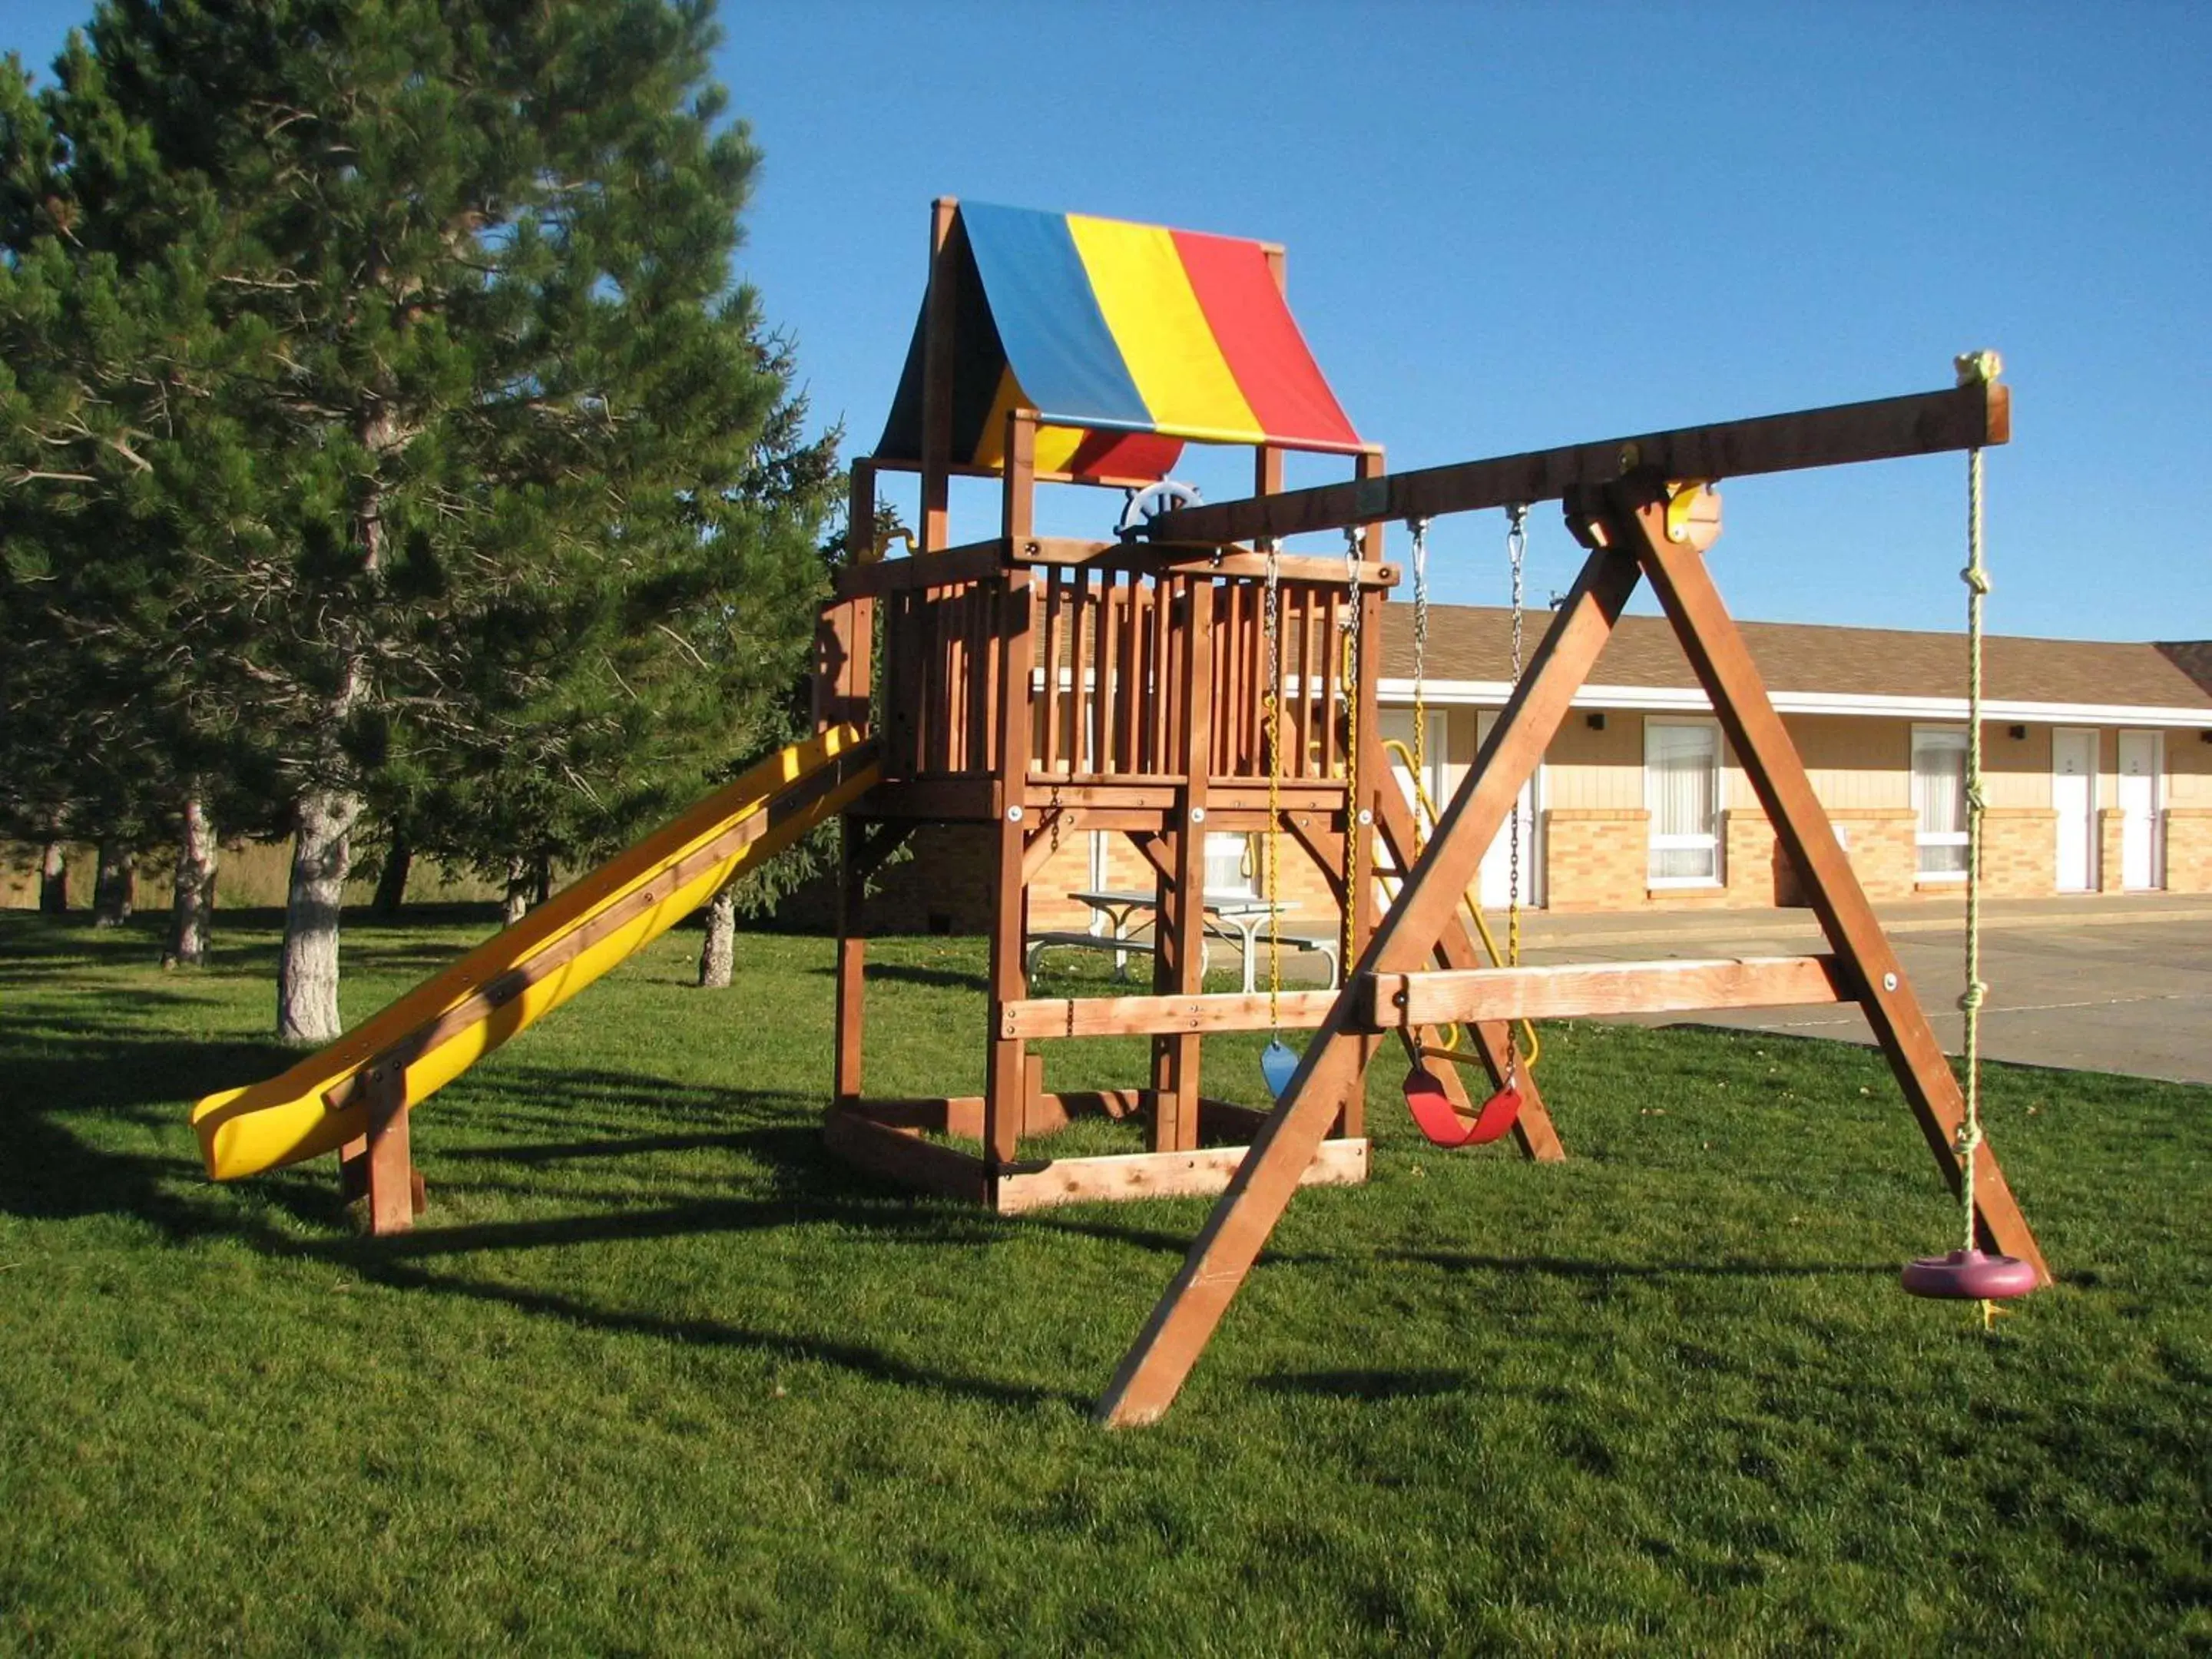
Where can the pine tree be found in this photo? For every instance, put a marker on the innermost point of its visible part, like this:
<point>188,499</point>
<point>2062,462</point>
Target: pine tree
<point>465,271</point>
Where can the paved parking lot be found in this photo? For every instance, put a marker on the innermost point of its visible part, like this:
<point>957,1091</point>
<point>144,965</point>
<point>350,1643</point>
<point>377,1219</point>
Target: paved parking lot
<point>2099,984</point>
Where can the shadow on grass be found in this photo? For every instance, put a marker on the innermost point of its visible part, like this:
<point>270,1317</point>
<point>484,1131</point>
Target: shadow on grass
<point>63,1084</point>
<point>907,973</point>
<point>382,1267</point>
<point>1555,1267</point>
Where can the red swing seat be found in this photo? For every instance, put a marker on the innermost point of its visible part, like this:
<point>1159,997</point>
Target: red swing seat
<point>1440,1121</point>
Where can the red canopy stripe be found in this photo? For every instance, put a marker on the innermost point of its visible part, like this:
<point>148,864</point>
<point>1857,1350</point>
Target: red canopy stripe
<point>1261,343</point>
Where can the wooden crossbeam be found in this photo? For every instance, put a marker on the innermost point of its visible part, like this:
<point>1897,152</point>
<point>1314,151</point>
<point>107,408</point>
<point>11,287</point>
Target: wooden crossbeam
<point>1580,990</point>
<point>1965,417</point>
<point>976,560</point>
<point>1071,1017</point>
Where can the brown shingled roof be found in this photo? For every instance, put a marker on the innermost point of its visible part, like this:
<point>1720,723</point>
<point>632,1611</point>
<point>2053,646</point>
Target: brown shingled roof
<point>1472,642</point>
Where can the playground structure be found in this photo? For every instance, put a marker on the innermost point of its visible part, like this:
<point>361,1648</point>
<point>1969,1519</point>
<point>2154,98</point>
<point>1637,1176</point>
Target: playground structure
<point>1035,688</point>
<point>1188,676</point>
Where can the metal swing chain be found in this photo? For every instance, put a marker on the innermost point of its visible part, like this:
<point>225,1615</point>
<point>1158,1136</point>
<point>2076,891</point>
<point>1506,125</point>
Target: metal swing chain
<point>1516,554</point>
<point>1419,527</point>
<point>1976,366</point>
<point>1275,724</point>
<point>1355,543</point>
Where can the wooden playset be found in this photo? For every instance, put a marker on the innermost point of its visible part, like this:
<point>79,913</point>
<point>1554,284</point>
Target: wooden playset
<point>1188,676</point>
<point>1040,687</point>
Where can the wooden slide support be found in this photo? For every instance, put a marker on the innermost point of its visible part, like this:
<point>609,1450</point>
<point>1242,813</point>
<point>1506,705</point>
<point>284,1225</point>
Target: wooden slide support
<point>1620,514</point>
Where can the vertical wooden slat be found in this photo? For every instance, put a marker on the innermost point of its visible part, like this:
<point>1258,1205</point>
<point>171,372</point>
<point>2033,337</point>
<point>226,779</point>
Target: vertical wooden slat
<point>1110,669</point>
<point>1158,760</point>
<point>1327,648</point>
<point>1181,922</point>
<point>1078,672</point>
<point>1054,581</point>
<point>1132,680</point>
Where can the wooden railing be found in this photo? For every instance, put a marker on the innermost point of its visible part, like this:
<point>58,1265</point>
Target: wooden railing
<point>1109,684</point>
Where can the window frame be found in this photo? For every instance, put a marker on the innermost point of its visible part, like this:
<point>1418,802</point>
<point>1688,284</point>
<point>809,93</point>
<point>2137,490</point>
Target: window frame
<point>1953,738</point>
<point>1717,841</point>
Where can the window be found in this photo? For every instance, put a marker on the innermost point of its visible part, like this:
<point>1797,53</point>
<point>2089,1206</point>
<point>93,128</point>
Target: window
<point>1939,801</point>
<point>1232,865</point>
<point>1682,792</point>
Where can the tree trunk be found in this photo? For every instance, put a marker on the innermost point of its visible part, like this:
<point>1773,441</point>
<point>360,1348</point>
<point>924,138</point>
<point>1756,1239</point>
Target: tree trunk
<point>542,879</point>
<point>53,880</point>
<point>307,972</point>
<point>192,907</point>
<point>717,956</point>
<point>516,903</point>
<point>112,884</point>
<point>392,880</point>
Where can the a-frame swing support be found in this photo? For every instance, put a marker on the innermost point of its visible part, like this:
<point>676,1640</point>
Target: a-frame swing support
<point>1617,497</point>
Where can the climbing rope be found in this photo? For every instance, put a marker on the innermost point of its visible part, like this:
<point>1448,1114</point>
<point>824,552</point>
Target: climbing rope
<point>1967,1273</point>
<point>1976,366</point>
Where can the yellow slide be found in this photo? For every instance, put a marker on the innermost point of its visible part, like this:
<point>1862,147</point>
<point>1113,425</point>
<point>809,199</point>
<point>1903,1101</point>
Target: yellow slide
<point>442,1027</point>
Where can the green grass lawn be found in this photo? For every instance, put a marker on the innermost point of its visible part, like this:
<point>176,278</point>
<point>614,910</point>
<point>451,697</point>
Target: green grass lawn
<point>655,1375</point>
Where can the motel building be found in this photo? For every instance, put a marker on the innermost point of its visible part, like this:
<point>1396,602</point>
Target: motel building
<point>2099,759</point>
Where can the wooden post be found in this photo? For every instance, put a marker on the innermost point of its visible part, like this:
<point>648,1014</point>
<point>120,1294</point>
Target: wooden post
<point>845,668</point>
<point>1153,1370</point>
<point>852,966</point>
<point>1724,667</point>
<point>380,1164</point>
<point>1373,768</point>
<point>1006,1075</point>
<point>1179,928</point>
<point>939,311</point>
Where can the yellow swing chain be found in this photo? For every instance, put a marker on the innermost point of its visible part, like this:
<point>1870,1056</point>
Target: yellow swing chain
<point>1973,368</point>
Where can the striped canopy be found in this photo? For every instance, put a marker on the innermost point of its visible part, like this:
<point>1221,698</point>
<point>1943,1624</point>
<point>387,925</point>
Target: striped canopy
<point>1126,339</point>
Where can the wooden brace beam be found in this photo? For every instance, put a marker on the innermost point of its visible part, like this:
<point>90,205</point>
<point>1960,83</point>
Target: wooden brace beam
<point>1581,990</point>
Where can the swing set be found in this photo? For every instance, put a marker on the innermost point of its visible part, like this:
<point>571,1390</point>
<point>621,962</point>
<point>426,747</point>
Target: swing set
<point>1192,676</point>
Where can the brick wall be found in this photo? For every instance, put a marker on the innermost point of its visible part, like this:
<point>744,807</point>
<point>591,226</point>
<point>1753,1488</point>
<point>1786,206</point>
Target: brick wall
<point>2189,849</point>
<point>1750,859</point>
<point>1595,858</point>
<point>2111,858</point>
<point>1878,842</point>
<point>2020,851</point>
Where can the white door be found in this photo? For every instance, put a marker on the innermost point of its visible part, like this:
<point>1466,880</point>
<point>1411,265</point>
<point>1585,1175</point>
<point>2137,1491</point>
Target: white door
<point>2074,794</point>
<point>2141,766</point>
<point>1496,884</point>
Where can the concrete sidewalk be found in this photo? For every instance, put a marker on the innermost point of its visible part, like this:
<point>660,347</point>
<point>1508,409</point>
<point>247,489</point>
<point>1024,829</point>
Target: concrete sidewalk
<point>2106,983</point>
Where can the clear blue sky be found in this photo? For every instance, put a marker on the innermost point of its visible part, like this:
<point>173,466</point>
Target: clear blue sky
<point>1516,226</point>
